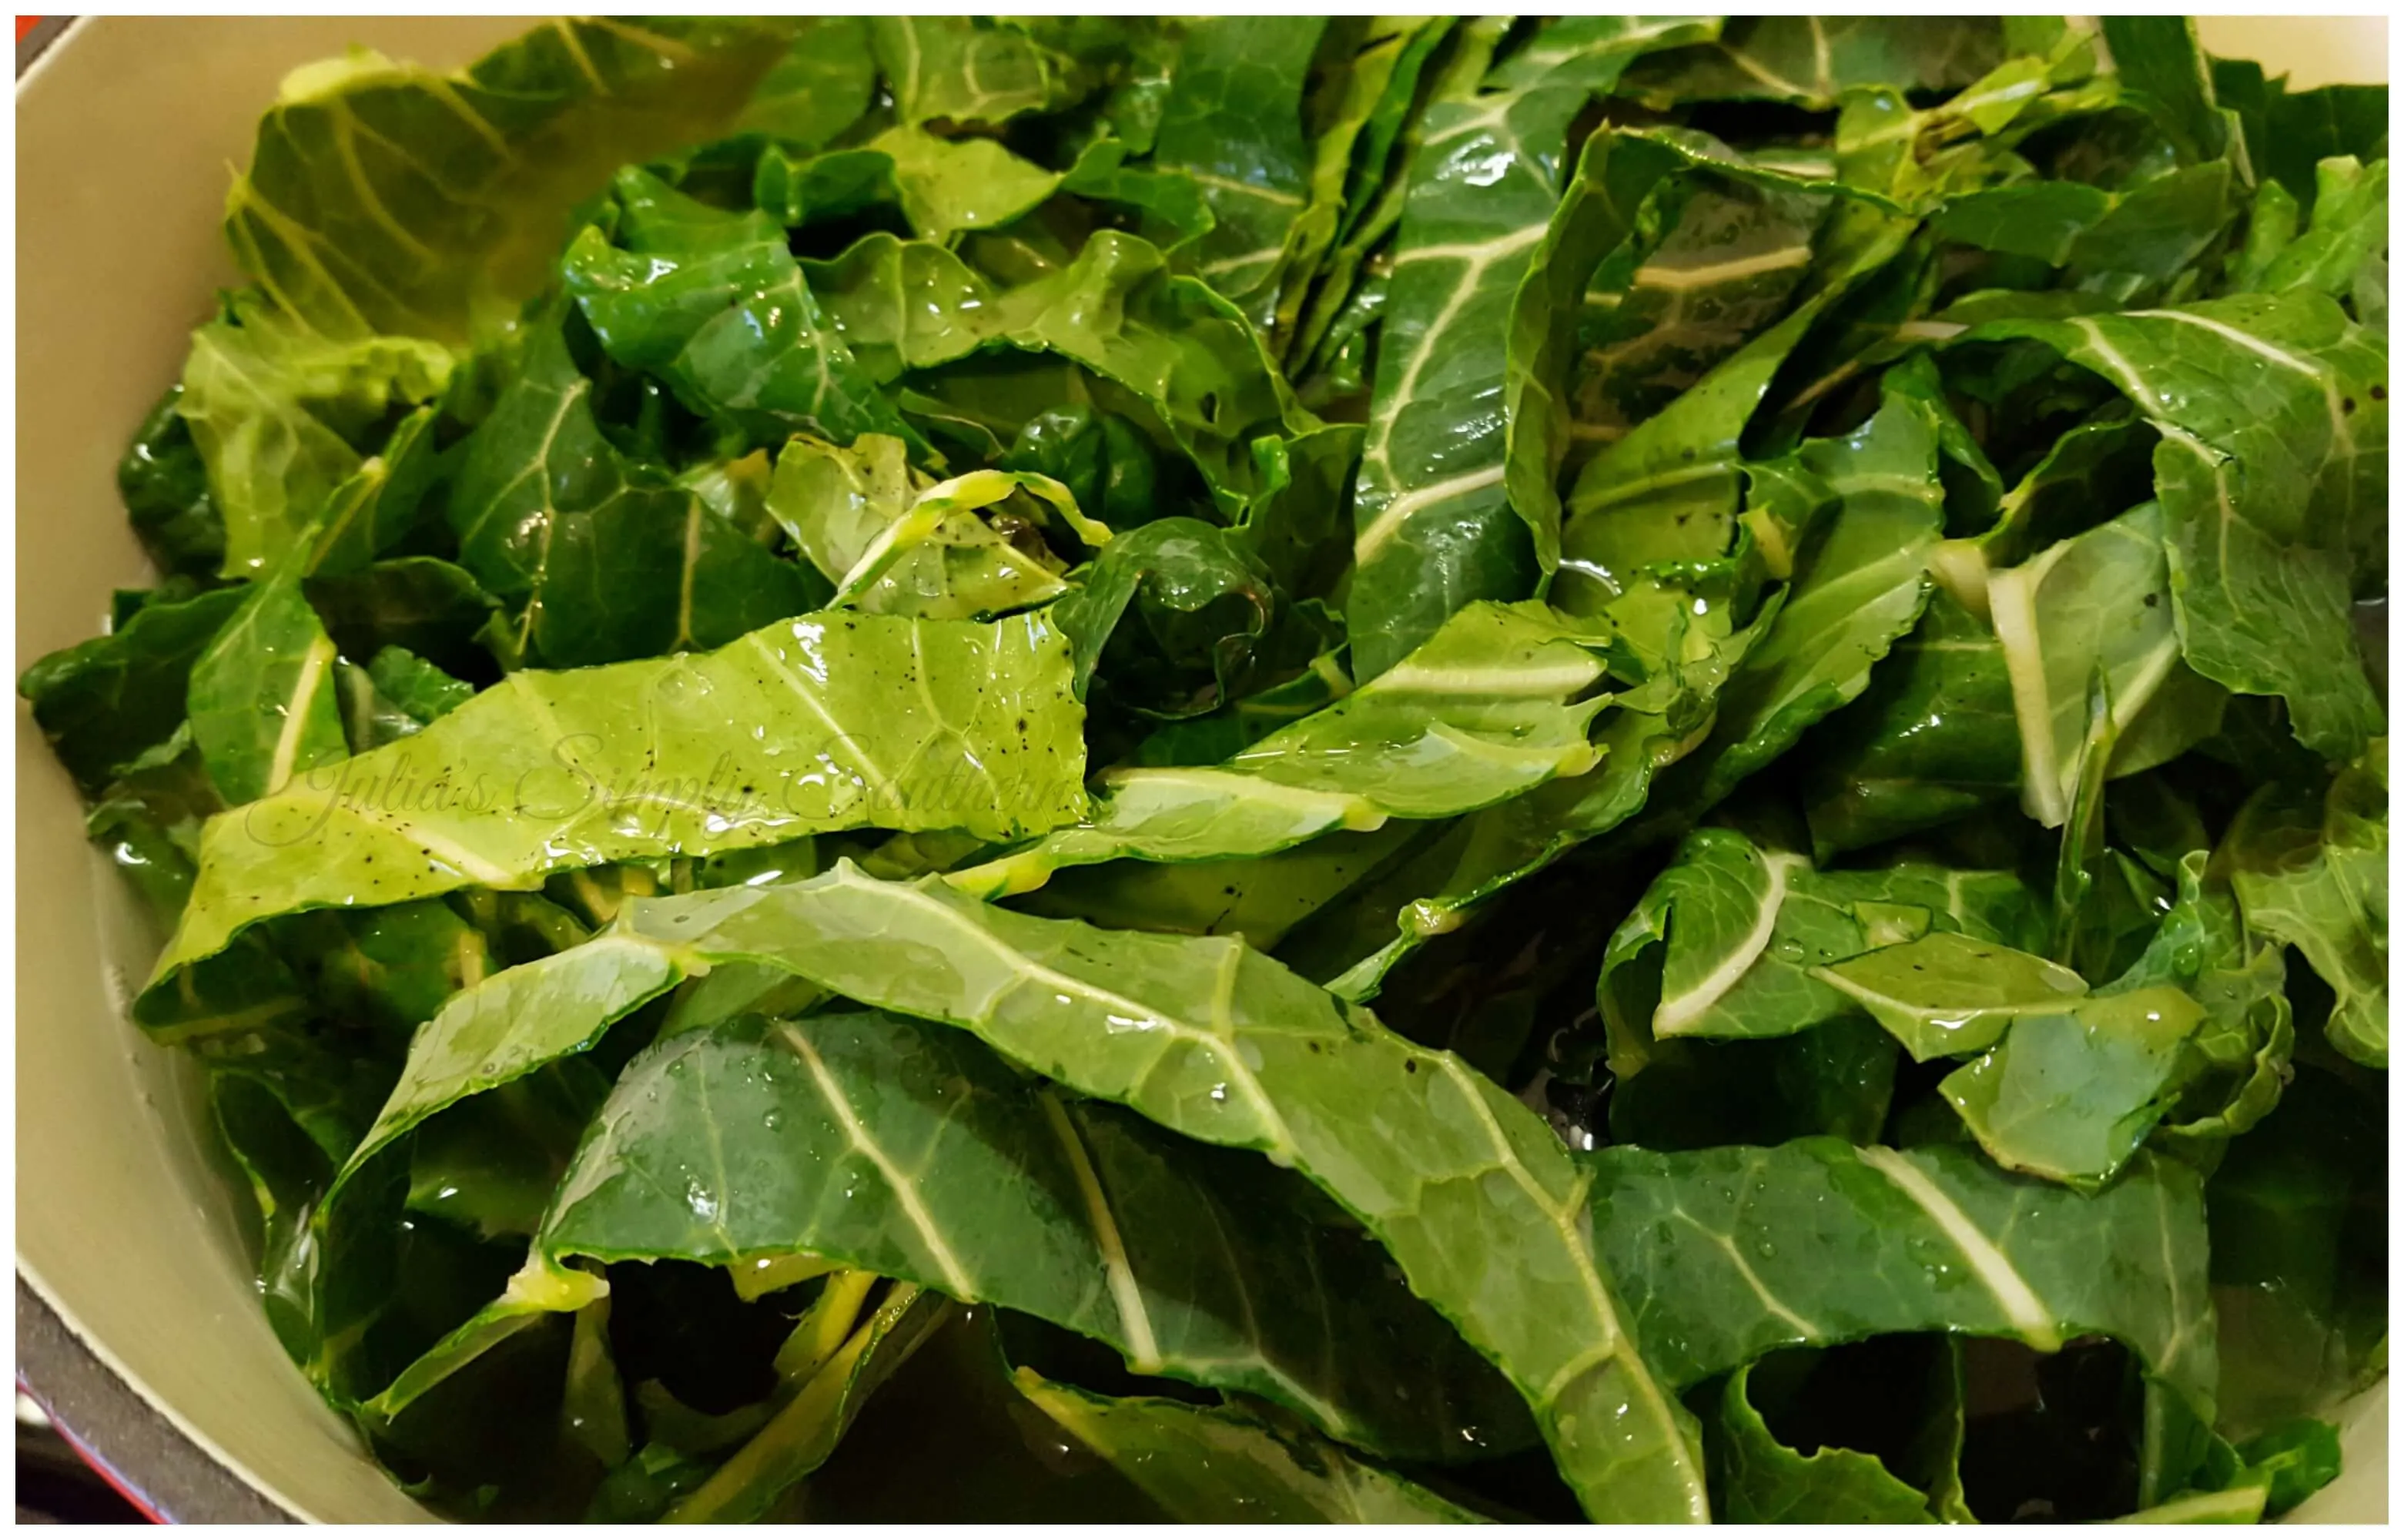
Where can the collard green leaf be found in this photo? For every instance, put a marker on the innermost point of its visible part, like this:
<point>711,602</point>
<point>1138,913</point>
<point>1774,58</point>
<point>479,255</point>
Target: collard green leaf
<point>2315,878</point>
<point>940,187</point>
<point>1713,263</point>
<point>1856,586</point>
<point>1725,942</point>
<point>716,305</point>
<point>966,1177</point>
<point>602,556</point>
<point>2158,59</point>
<point>941,560</point>
<point>1433,518</point>
<point>1948,993</point>
<point>1684,655</point>
<point>1183,612</point>
<point>102,703</point>
<point>2298,1256</point>
<point>148,823</point>
<point>1455,75</point>
<point>2070,1096</point>
<point>1769,1483</point>
<point>1621,178</point>
<point>1360,117</point>
<point>425,605</point>
<point>263,696</point>
<point>1120,311</point>
<point>1420,1177</point>
<point>1233,122</point>
<point>1498,702</point>
<point>948,185</point>
<point>1686,1093</point>
<point>2256,475</point>
<point>970,71</point>
<point>834,501</point>
<point>1228,1465</point>
<point>416,687</point>
<point>1728,1252</point>
<point>2292,1461</point>
<point>807,1429</point>
<point>383,198</point>
<point>2349,228</point>
<point>1932,737</point>
<point>2096,602</point>
<point>1259,898</point>
<point>2244,1049</point>
<point>165,485</point>
<point>266,696</point>
<point>1672,488</point>
<point>819,86</point>
<point>858,720</point>
<point>1809,60</point>
<point>830,929</point>
<point>281,415</point>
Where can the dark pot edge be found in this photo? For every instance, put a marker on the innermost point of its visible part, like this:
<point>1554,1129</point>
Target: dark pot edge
<point>129,1441</point>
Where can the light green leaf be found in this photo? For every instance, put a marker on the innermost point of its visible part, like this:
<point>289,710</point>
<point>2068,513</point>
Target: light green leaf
<point>969,71</point>
<point>2257,472</point>
<point>938,559</point>
<point>2070,1096</point>
<point>717,305</point>
<point>1226,1465</point>
<point>1948,993</point>
<point>387,198</point>
<point>1769,1483</point>
<point>278,412</point>
<point>263,698</point>
<point>1858,584</point>
<point>1740,931</point>
<point>1932,737</point>
<point>1233,123</point>
<point>948,185</point>
<point>857,720</point>
<point>2315,878</point>
<point>1726,1253</point>
<point>2099,601</point>
<point>1496,702</point>
<point>822,84</point>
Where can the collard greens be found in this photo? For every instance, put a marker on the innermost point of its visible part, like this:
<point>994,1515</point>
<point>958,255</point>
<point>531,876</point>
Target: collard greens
<point>1287,768</point>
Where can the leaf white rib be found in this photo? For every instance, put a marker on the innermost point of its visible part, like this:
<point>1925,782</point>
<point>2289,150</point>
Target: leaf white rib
<point>1613,1343</point>
<point>2020,1302</point>
<point>1676,278</point>
<point>2011,605</point>
<point>1769,1302</point>
<point>1396,513</point>
<point>296,714</point>
<point>1673,1014</point>
<point>2117,369</point>
<point>1549,683</point>
<point>2242,339</point>
<point>1281,1148</point>
<point>905,1192</point>
<point>1142,1344</point>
